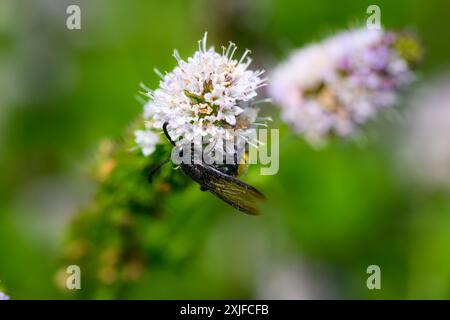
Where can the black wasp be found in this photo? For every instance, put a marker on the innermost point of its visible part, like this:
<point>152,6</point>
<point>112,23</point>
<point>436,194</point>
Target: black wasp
<point>221,181</point>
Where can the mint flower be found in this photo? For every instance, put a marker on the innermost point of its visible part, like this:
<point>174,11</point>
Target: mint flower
<point>334,86</point>
<point>206,97</point>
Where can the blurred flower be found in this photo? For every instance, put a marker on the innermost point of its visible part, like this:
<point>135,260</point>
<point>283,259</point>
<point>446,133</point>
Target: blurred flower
<point>106,168</point>
<point>295,279</point>
<point>336,85</point>
<point>3,296</point>
<point>133,269</point>
<point>146,141</point>
<point>206,97</point>
<point>426,142</point>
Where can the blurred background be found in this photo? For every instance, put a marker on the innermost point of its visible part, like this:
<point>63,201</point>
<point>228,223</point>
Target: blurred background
<point>331,213</point>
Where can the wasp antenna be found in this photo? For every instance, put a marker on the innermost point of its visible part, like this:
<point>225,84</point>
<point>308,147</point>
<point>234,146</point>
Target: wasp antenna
<point>167,133</point>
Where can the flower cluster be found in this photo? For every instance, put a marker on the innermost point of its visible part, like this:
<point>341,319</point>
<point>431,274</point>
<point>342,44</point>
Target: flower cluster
<point>206,98</point>
<point>334,86</point>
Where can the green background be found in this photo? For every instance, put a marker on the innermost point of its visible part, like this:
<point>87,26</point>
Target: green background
<point>331,213</point>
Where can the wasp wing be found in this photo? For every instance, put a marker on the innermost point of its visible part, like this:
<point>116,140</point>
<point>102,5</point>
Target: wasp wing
<point>231,190</point>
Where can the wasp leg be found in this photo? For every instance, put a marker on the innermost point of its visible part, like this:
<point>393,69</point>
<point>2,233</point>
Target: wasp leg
<point>203,188</point>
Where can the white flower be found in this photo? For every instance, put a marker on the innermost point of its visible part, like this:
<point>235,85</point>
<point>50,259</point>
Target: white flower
<point>334,86</point>
<point>146,141</point>
<point>205,97</point>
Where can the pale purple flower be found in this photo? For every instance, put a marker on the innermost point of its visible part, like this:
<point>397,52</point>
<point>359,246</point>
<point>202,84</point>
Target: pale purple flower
<point>334,86</point>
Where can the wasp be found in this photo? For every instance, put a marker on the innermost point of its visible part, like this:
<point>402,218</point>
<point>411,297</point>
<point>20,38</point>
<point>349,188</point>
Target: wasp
<point>221,181</point>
